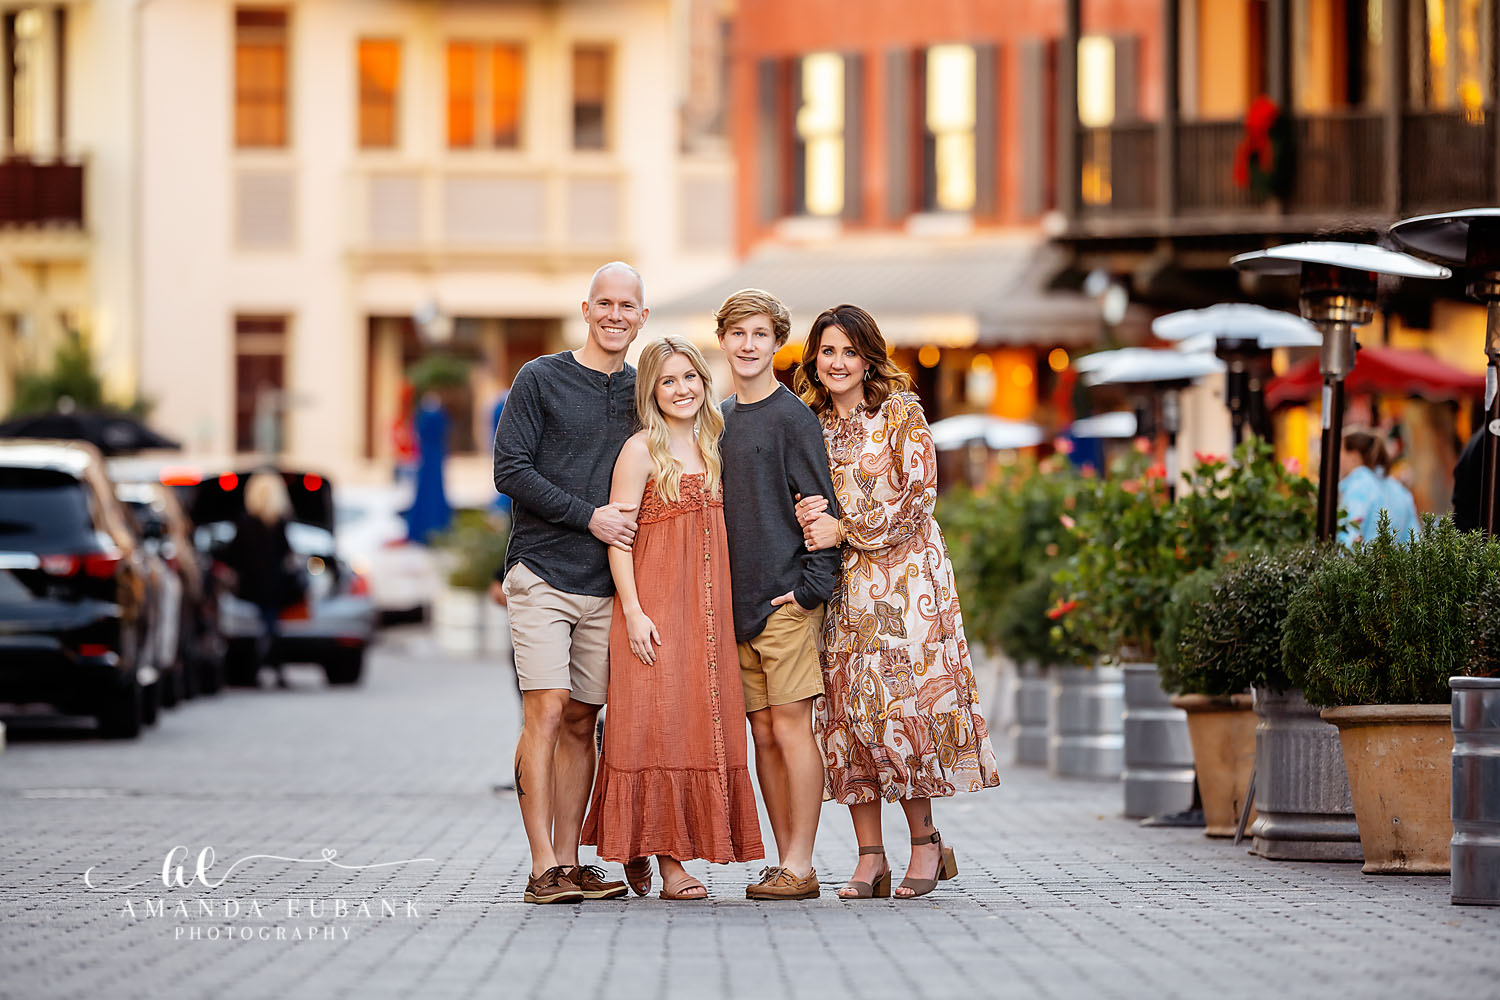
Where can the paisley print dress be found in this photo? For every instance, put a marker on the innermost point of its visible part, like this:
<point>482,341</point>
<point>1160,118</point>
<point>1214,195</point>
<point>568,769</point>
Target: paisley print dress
<point>900,715</point>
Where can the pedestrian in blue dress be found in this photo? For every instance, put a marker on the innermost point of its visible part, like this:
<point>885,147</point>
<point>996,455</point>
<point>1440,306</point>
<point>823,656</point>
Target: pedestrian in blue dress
<point>1366,488</point>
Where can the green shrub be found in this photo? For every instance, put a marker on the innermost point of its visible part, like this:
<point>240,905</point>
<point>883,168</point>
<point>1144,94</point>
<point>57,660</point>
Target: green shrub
<point>1191,603</point>
<point>1029,633</point>
<point>1231,636</point>
<point>1387,623</point>
<point>477,541</point>
<point>1484,620</point>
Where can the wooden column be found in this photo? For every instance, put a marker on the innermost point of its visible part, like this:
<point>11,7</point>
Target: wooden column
<point>1393,68</point>
<point>1166,126</point>
<point>1279,53</point>
<point>1067,112</point>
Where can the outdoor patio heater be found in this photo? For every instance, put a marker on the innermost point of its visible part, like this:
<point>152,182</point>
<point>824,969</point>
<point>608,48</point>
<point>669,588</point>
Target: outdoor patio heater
<point>1161,375</point>
<point>1244,336</point>
<point>1337,295</point>
<point>1471,239</point>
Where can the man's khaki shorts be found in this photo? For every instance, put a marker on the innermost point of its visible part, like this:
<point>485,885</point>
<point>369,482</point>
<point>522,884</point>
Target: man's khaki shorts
<point>561,640</point>
<point>781,665</point>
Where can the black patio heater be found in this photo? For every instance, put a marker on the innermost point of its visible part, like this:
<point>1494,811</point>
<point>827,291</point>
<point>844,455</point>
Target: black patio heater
<point>1338,290</point>
<point>1471,239</point>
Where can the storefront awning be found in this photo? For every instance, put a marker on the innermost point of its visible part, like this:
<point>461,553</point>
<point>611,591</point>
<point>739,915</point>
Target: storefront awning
<point>976,292</point>
<point>1387,371</point>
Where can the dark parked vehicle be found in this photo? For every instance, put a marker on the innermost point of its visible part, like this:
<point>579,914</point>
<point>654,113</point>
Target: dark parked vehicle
<point>334,622</point>
<point>168,532</point>
<point>73,618</point>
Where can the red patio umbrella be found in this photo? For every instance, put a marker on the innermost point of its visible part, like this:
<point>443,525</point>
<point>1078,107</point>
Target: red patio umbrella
<point>1385,371</point>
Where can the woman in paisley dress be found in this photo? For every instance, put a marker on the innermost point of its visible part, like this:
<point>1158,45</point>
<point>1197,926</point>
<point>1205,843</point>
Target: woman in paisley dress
<point>674,778</point>
<point>900,719</point>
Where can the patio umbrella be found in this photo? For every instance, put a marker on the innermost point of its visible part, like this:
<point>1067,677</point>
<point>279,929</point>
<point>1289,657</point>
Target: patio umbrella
<point>111,433</point>
<point>996,432</point>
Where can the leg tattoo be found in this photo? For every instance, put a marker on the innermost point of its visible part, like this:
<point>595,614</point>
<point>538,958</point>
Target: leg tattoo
<point>520,792</point>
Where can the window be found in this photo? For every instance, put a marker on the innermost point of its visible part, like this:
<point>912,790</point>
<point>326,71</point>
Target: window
<point>591,71</point>
<point>259,382</point>
<point>260,78</point>
<point>486,88</point>
<point>1451,55</point>
<point>820,133</point>
<point>379,93</point>
<point>950,118</point>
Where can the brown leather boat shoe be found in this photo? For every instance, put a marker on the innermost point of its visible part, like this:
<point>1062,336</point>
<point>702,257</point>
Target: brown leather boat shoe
<point>590,881</point>
<point>555,885</point>
<point>782,884</point>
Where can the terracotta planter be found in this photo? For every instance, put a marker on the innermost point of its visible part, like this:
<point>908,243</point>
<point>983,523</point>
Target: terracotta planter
<point>1223,735</point>
<point>1399,762</point>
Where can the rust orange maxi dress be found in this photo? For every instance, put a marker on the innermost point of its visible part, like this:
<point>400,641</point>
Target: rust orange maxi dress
<point>673,778</point>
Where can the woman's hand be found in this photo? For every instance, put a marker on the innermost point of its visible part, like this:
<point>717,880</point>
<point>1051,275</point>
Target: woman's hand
<point>808,509</point>
<point>644,638</point>
<point>822,532</point>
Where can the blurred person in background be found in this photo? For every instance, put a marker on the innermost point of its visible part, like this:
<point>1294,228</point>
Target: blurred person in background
<point>1366,489</point>
<point>261,559</point>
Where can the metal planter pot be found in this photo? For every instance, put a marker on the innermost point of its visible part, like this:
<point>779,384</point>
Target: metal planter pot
<point>1158,751</point>
<point>1305,811</point>
<point>1028,731</point>
<point>1084,734</point>
<point>1475,848</point>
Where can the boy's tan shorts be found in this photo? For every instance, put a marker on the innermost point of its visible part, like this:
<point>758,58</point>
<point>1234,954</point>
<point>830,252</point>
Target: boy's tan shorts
<point>781,664</point>
<point>561,640</point>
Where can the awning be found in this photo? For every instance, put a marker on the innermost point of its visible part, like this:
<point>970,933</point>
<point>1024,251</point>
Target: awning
<point>985,291</point>
<point>1386,371</point>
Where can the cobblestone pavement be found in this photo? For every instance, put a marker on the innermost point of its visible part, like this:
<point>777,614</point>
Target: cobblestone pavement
<point>1058,896</point>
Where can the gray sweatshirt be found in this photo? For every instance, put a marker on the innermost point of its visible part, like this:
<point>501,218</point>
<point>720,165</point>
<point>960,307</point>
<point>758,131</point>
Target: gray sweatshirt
<point>561,430</point>
<point>773,450</point>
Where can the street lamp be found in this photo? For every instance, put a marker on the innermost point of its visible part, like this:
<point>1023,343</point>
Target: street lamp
<point>1244,336</point>
<point>1471,238</point>
<point>1337,294</point>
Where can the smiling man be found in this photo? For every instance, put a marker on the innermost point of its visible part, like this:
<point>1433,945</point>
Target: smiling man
<point>564,423</point>
<point>773,451</point>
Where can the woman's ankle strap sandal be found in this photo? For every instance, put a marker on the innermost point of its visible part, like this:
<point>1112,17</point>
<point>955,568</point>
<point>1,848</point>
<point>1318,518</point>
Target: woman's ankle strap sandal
<point>879,889</point>
<point>947,867</point>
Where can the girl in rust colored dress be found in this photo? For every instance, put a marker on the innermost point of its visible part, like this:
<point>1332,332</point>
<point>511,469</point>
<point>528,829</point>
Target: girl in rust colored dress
<point>673,780</point>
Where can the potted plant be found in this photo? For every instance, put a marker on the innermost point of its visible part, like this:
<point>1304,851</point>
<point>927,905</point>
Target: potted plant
<point>1375,634</point>
<point>472,551</point>
<point>1475,847</point>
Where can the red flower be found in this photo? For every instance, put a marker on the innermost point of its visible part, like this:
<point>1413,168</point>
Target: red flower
<point>1062,446</point>
<point>1068,522</point>
<point>1131,486</point>
<point>1206,458</point>
<point>1142,446</point>
<point>1292,466</point>
<point>1088,471</point>
<point>1157,471</point>
<point>1058,610</point>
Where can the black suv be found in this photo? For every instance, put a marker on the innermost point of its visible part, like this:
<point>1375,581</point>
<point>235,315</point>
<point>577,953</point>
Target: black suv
<point>72,589</point>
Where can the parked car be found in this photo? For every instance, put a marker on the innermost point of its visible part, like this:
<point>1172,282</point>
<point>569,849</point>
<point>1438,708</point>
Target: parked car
<point>163,616</point>
<point>335,622</point>
<point>73,612</point>
<point>169,533</point>
<point>403,575</point>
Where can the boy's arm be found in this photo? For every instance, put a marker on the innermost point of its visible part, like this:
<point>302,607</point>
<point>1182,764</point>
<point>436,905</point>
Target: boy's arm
<point>807,474</point>
<point>518,440</point>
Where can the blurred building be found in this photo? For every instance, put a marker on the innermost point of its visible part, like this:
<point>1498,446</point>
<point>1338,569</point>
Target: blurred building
<point>266,214</point>
<point>1387,110</point>
<point>902,156</point>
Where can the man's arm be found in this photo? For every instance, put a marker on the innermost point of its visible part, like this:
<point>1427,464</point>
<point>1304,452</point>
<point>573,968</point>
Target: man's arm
<point>518,439</point>
<point>808,475</point>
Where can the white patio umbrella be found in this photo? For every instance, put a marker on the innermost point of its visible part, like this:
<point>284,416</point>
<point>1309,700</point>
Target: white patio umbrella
<point>1112,426</point>
<point>995,432</point>
<point>1149,366</point>
<point>1268,328</point>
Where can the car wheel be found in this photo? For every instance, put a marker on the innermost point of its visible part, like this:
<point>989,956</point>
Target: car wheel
<point>346,668</point>
<point>241,665</point>
<point>121,716</point>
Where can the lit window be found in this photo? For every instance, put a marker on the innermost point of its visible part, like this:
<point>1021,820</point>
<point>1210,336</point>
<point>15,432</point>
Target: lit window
<point>260,77</point>
<point>591,68</point>
<point>379,92</point>
<point>1096,81</point>
<point>486,92</point>
<point>820,129</point>
<point>950,115</point>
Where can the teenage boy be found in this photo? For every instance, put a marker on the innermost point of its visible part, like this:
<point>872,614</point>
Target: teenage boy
<point>564,423</point>
<point>773,451</point>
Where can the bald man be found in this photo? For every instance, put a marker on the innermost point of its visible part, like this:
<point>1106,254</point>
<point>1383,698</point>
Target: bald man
<point>564,423</point>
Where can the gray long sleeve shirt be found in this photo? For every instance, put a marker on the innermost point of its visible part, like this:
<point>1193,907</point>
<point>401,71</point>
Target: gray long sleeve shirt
<point>773,450</point>
<point>561,430</point>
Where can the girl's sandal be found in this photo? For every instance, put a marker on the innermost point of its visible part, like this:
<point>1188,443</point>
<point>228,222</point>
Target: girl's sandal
<point>881,889</point>
<point>947,868</point>
<point>638,875</point>
<point>685,888</point>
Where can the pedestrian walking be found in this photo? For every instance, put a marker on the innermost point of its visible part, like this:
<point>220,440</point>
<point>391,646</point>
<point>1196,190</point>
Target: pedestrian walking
<point>674,777</point>
<point>261,557</point>
<point>1367,489</point>
<point>899,720</point>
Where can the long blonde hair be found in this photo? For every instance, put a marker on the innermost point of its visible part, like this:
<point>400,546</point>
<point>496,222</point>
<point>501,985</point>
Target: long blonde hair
<point>709,424</point>
<point>266,497</point>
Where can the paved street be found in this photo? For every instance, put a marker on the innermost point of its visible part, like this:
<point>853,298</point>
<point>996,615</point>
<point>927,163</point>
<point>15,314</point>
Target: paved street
<point>1058,896</point>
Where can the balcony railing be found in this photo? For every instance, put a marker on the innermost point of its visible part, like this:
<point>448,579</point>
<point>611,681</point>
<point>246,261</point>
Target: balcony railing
<point>35,193</point>
<point>487,211</point>
<point>1340,171</point>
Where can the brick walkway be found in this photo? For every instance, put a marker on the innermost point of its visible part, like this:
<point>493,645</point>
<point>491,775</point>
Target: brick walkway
<point>1058,896</point>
